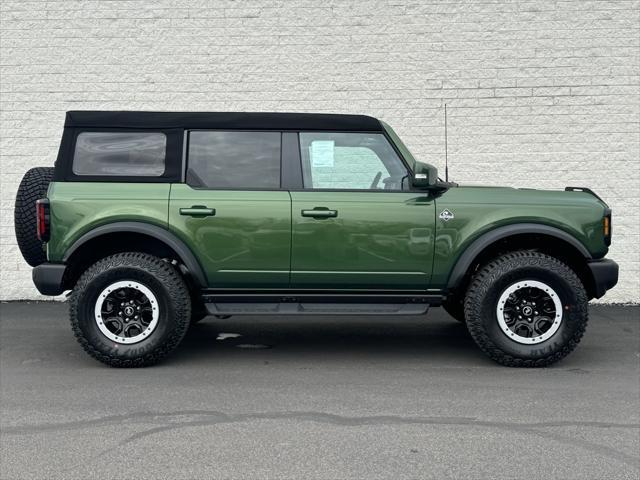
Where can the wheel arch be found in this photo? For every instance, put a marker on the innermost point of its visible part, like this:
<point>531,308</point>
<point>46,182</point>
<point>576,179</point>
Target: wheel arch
<point>118,237</point>
<point>522,236</point>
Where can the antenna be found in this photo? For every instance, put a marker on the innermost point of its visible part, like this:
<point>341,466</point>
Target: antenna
<point>446,159</point>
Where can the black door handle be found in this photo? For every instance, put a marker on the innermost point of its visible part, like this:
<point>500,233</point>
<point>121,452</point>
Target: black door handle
<point>319,212</point>
<point>198,211</point>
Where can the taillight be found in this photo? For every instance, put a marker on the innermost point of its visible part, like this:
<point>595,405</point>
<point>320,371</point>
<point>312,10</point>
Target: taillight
<point>606,227</point>
<point>42,219</point>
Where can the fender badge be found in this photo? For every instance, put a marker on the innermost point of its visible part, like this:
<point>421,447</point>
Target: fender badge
<point>446,215</point>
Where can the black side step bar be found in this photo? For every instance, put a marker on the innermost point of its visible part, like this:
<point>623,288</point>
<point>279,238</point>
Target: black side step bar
<point>318,304</point>
<point>299,308</point>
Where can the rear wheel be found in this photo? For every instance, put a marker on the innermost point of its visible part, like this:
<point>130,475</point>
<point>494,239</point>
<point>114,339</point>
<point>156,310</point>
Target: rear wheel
<point>130,310</point>
<point>34,186</point>
<point>526,309</point>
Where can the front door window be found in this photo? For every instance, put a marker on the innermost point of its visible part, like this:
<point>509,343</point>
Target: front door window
<point>350,161</point>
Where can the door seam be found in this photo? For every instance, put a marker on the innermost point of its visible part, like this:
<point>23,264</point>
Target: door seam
<point>290,236</point>
<point>169,205</point>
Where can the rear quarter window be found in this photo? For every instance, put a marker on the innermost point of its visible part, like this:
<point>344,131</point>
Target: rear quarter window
<point>129,154</point>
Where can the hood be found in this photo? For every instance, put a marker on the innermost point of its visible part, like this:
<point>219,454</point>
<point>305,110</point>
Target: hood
<point>571,196</point>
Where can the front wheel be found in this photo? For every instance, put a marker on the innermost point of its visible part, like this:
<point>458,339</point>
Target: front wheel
<point>526,309</point>
<point>130,310</point>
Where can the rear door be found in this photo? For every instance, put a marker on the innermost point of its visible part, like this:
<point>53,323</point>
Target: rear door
<point>355,223</point>
<point>232,211</point>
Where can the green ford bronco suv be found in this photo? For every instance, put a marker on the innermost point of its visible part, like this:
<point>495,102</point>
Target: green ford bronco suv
<point>154,220</point>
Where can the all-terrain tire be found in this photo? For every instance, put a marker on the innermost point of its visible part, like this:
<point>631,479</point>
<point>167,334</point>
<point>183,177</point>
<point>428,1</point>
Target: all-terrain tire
<point>173,302</point>
<point>33,186</point>
<point>489,284</point>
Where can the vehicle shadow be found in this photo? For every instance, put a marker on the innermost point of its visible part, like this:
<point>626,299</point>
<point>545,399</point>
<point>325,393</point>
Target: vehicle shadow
<point>431,336</point>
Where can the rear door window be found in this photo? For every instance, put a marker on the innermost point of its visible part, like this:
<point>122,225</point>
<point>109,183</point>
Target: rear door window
<point>234,160</point>
<point>130,154</point>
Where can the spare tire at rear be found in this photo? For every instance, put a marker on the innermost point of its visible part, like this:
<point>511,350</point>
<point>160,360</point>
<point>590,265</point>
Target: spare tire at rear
<point>33,186</point>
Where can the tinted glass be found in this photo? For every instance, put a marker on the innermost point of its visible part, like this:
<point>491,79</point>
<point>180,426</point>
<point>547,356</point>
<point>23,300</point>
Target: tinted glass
<point>353,161</point>
<point>234,159</point>
<point>120,154</point>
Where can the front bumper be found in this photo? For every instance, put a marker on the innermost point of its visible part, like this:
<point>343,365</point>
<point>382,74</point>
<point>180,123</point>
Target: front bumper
<point>49,278</point>
<point>605,275</point>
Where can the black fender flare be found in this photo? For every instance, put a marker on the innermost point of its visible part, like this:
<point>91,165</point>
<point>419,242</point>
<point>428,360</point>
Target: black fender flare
<point>172,241</point>
<point>479,244</point>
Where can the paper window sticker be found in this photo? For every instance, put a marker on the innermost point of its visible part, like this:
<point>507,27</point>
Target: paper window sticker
<point>322,153</point>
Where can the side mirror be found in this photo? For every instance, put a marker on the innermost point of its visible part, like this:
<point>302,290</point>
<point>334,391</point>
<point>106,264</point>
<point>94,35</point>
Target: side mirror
<point>424,176</point>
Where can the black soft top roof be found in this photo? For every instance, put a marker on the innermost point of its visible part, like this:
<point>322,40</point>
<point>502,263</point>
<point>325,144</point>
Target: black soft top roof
<point>222,120</point>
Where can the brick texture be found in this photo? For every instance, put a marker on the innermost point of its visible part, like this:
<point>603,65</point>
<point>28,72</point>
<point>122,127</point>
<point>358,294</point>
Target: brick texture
<point>540,94</point>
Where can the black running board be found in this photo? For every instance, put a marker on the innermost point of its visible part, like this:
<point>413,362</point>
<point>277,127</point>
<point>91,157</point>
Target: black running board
<point>224,308</point>
<point>318,304</point>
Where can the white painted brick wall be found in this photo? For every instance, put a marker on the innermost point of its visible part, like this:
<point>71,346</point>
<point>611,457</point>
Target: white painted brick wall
<point>540,93</point>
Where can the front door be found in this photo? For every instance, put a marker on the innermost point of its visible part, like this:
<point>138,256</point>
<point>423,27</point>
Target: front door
<point>355,225</point>
<point>232,212</point>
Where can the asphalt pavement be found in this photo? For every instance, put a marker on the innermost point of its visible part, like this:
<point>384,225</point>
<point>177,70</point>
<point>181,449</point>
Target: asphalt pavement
<point>317,398</point>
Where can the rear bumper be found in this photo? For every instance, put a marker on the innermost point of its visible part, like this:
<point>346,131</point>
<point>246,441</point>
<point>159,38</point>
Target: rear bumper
<point>605,275</point>
<point>48,278</point>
